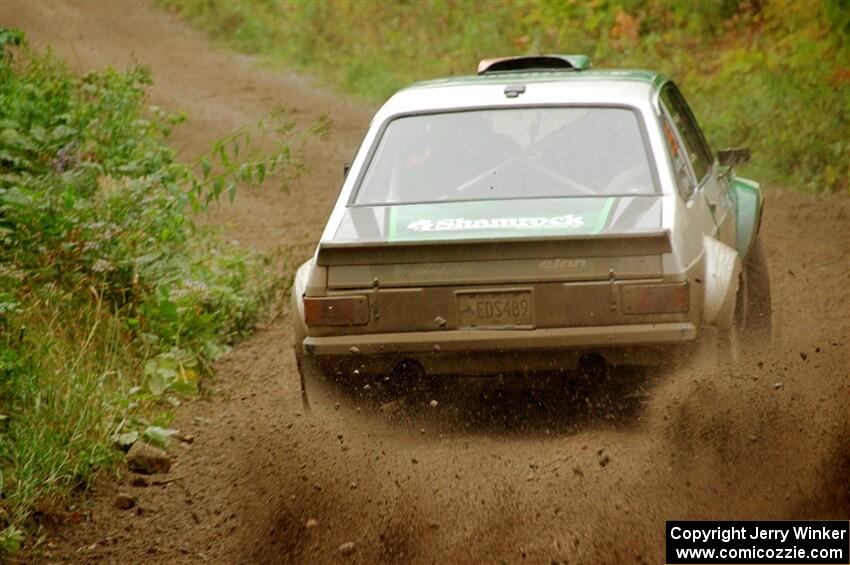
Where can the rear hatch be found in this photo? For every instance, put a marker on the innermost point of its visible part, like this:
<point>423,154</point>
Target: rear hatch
<point>491,242</point>
<point>521,263</point>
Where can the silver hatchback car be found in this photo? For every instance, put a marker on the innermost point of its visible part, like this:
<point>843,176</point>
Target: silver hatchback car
<point>528,218</point>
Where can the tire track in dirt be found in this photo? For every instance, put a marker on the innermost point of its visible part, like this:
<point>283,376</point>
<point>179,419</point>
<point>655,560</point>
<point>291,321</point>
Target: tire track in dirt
<point>473,480</point>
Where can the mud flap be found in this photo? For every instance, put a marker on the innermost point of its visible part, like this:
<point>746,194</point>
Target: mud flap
<point>299,285</point>
<point>722,273</point>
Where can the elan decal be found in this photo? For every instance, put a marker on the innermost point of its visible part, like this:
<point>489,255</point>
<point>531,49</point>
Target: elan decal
<point>568,221</point>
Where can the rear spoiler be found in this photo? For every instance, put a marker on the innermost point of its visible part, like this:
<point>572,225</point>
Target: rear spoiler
<point>600,245</point>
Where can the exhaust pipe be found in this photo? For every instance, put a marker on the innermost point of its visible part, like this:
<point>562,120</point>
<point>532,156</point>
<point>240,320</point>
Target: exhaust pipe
<point>593,366</point>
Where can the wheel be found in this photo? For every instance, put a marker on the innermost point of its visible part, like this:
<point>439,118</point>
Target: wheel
<point>304,367</point>
<point>753,317</point>
<point>318,390</point>
<point>314,382</point>
<point>323,392</point>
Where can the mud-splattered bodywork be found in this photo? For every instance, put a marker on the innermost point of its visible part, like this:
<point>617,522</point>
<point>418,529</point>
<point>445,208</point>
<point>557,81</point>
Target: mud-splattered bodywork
<point>532,282</point>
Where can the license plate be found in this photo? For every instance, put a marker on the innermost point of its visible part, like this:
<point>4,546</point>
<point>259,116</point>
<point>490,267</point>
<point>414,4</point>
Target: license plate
<point>499,309</point>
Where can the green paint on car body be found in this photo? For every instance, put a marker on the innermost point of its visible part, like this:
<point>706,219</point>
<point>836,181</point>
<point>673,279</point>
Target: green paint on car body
<point>498,219</point>
<point>603,217</point>
<point>533,76</point>
<point>749,198</point>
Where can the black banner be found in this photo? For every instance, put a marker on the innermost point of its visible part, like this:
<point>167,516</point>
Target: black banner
<point>761,543</point>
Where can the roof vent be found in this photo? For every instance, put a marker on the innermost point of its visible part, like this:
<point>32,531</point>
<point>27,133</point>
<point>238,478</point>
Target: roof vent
<point>535,63</point>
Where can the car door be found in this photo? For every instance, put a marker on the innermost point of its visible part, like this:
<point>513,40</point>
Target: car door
<point>707,198</point>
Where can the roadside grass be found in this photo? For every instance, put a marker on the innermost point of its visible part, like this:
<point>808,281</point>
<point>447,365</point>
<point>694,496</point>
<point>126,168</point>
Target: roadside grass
<point>64,399</point>
<point>772,75</point>
<point>114,303</point>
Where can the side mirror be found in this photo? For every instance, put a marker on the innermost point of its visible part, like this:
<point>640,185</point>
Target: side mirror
<point>345,169</point>
<point>733,157</point>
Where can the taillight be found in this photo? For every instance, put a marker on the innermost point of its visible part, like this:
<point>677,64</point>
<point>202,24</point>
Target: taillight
<point>336,310</point>
<point>655,298</point>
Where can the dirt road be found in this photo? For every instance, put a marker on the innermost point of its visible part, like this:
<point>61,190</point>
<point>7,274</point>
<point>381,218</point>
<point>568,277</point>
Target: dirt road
<point>508,479</point>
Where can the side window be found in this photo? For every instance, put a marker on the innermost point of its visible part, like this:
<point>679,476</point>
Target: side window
<point>698,153</point>
<point>684,179</point>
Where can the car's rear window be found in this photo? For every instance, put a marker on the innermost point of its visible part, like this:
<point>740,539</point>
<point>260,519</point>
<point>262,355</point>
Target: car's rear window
<point>508,153</point>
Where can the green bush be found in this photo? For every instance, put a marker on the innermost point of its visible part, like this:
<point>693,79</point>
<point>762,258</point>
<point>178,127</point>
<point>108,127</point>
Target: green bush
<point>770,74</point>
<point>113,303</point>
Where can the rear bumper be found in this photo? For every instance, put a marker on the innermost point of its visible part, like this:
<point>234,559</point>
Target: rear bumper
<point>500,340</point>
<point>506,349</point>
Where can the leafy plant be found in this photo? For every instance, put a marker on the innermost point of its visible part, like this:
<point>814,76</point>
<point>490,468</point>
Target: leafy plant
<point>11,539</point>
<point>113,302</point>
<point>769,74</point>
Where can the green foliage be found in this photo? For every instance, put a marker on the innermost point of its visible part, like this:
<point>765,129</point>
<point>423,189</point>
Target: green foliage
<point>113,303</point>
<point>769,74</point>
<point>10,540</point>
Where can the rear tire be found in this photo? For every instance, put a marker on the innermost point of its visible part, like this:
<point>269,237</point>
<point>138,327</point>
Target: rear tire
<point>323,391</point>
<point>319,392</point>
<point>306,370</point>
<point>753,318</point>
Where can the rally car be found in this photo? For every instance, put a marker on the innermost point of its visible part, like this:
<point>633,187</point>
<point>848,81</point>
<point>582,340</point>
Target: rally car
<point>534,216</point>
